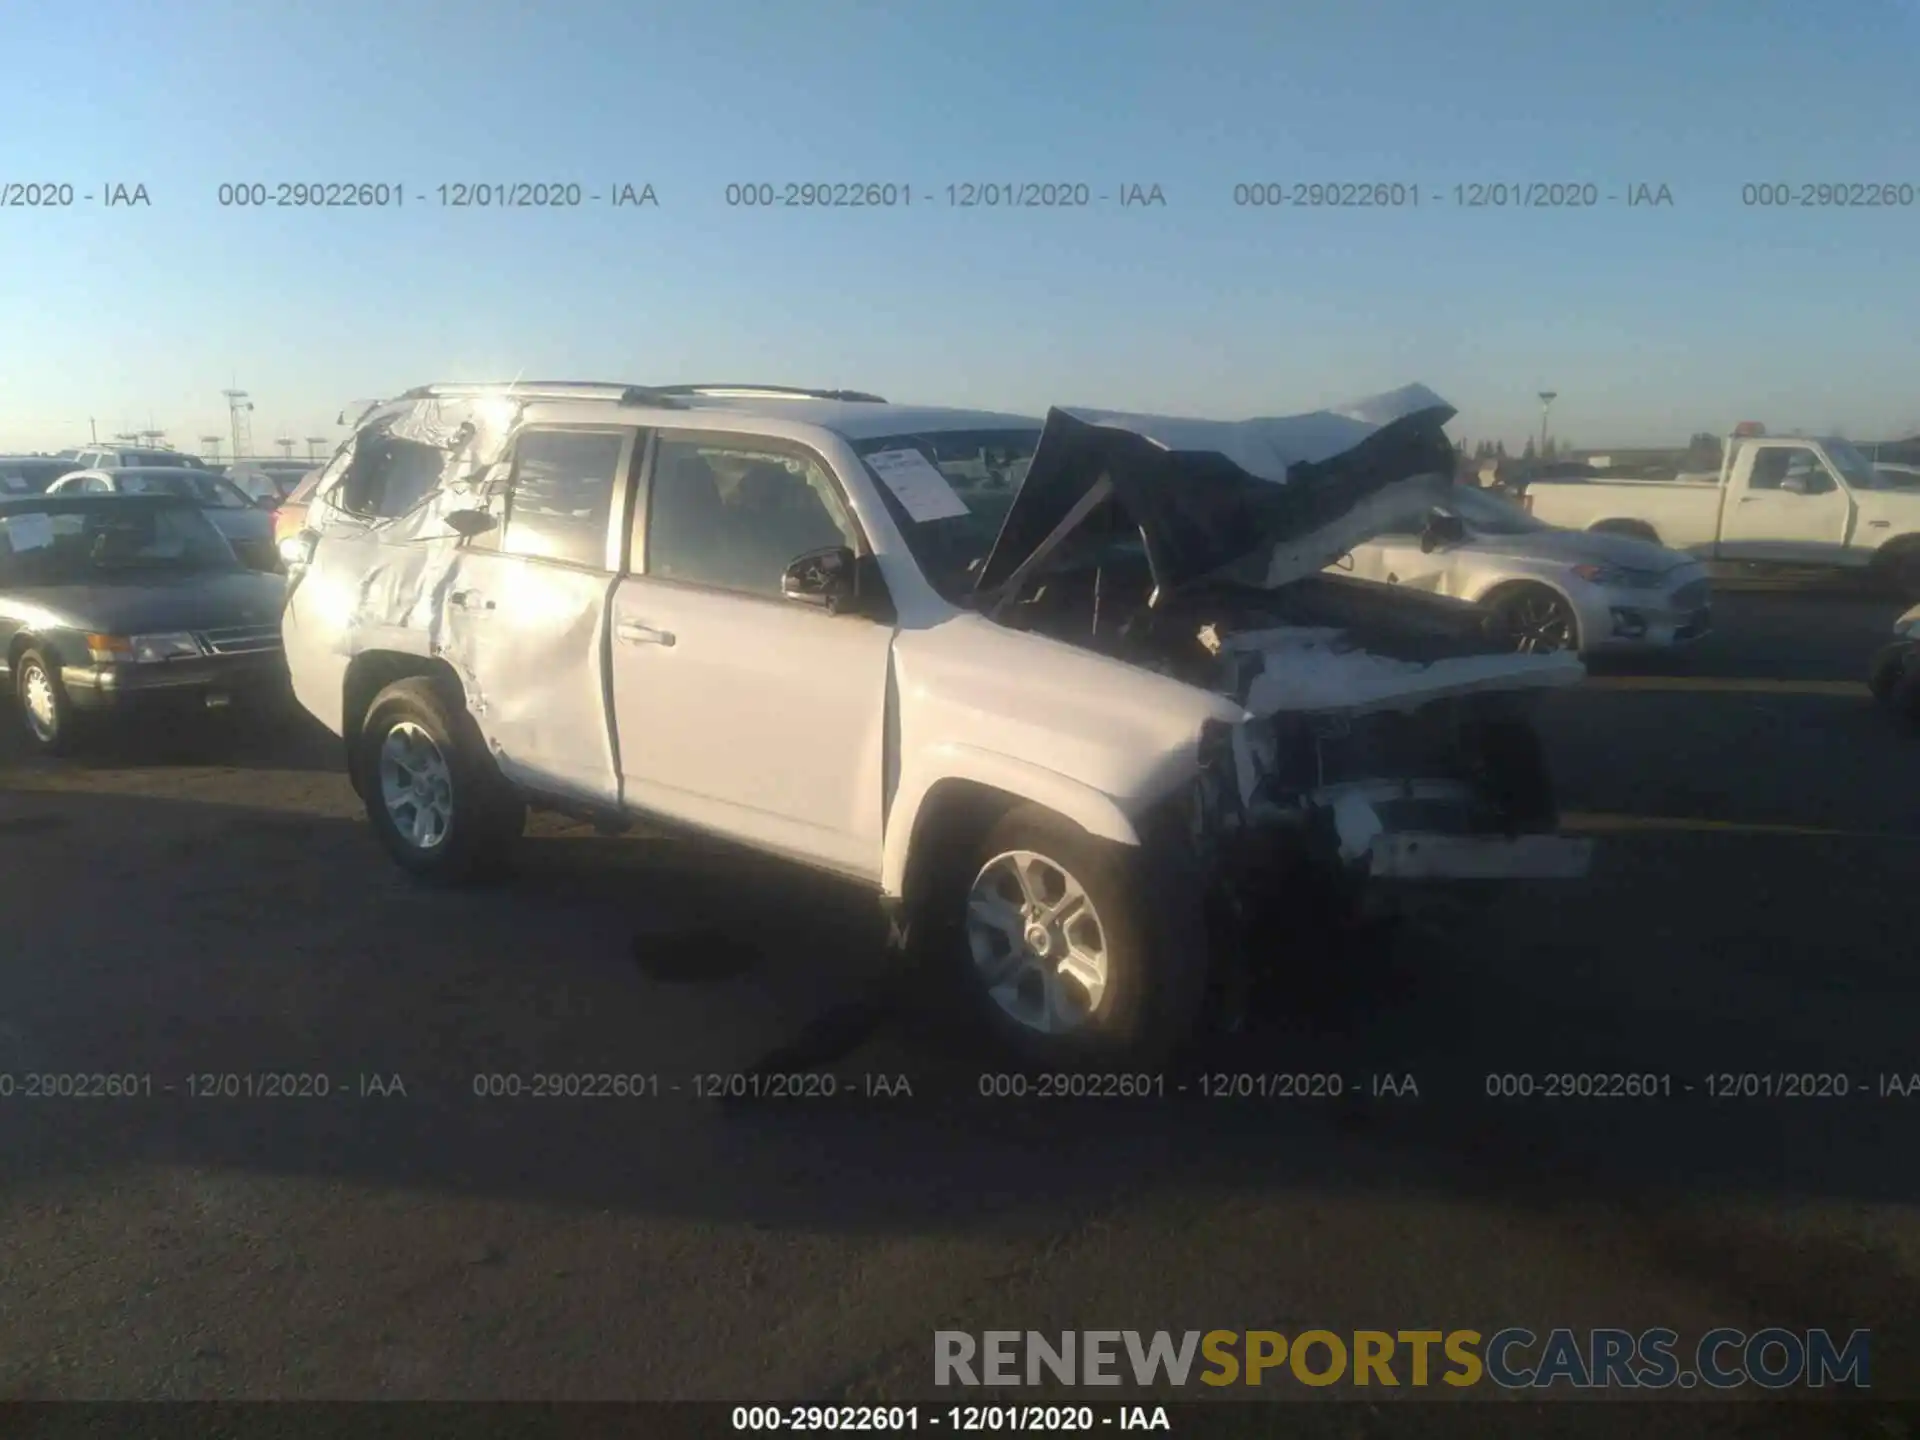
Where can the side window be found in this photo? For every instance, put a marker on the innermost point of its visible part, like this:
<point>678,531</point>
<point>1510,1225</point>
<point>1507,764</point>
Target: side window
<point>388,477</point>
<point>560,500</point>
<point>1776,463</point>
<point>733,514</point>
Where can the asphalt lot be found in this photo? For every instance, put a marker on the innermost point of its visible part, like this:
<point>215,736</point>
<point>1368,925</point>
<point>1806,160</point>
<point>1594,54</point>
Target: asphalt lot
<point>173,910</point>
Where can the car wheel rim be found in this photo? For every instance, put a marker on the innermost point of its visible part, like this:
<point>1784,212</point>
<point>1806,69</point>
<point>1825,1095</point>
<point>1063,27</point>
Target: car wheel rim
<point>1542,625</point>
<point>1037,942</point>
<point>37,699</point>
<point>416,786</point>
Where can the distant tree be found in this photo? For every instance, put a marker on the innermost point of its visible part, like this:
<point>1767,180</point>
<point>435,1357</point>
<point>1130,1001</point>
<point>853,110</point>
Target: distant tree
<point>1527,454</point>
<point>1499,449</point>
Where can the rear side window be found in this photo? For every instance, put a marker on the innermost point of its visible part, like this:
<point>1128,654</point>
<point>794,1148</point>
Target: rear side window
<point>561,498</point>
<point>388,477</point>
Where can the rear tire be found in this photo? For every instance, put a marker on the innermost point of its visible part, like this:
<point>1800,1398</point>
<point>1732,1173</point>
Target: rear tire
<point>1065,950</point>
<point>433,794</point>
<point>1898,571</point>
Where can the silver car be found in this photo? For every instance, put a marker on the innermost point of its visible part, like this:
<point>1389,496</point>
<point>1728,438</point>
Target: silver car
<point>1557,589</point>
<point>244,521</point>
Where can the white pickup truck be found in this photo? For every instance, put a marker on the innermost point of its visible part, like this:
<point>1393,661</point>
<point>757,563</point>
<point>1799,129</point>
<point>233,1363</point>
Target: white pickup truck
<point>1780,502</point>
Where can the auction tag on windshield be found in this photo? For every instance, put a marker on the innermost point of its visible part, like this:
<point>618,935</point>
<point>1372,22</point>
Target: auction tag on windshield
<point>31,531</point>
<point>922,490</point>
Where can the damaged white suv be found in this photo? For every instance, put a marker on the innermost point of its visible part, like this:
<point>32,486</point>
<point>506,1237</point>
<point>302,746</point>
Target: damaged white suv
<point>1071,696</point>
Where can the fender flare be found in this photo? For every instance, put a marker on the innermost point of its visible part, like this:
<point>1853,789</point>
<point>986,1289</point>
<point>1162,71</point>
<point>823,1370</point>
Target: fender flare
<point>1094,811</point>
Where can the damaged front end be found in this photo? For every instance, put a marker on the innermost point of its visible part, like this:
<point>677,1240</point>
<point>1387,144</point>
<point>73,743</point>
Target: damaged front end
<point>1387,735</point>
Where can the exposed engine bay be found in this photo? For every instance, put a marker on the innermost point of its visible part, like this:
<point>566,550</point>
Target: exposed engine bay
<point>1388,733</point>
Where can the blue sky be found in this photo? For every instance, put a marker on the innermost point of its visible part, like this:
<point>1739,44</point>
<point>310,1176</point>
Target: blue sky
<point>1651,322</point>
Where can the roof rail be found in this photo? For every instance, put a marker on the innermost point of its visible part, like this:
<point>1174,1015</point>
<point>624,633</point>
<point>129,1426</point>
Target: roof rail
<point>770,392</point>
<point>542,390</point>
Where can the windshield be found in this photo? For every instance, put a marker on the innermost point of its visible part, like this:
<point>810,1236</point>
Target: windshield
<point>56,547</point>
<point>1491,515</point>
<point>207,490</point>
<point>982,469</point>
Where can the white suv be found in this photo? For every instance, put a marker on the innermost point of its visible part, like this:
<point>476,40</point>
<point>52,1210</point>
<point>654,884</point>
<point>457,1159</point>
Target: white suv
<point>1068,694</point>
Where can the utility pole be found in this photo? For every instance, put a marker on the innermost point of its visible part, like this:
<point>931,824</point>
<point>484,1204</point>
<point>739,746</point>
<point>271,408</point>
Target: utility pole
<point>314,442</point>
<point>286,447</point>
<point>93,432</point>
<point>239,407</point>
<point>210,447</point>
<point>1547,397</point>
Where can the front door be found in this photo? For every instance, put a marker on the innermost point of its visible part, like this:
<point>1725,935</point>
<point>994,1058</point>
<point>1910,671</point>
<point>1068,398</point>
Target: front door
<point>1791,510</point>
<point>753,716</point>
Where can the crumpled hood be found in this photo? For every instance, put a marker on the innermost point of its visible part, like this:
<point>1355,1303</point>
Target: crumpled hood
<point>1267,501</point>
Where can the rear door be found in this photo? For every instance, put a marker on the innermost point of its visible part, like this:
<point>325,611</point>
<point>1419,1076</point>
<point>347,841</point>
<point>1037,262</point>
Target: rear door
<point>1786,507</point>
<point>525,612</point>
<point>753,716</point>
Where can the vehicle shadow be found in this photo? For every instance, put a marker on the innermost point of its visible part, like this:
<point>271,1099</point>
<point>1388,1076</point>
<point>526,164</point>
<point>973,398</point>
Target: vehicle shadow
<point>272,736</point>
<point>246,942</point>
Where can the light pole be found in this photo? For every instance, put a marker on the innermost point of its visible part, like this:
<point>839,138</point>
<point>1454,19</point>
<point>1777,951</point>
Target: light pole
<point>1547,397</point>
<point>314,442</point>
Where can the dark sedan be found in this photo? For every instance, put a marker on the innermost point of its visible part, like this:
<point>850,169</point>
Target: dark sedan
<point>129,602</point>
<point>31,474</point>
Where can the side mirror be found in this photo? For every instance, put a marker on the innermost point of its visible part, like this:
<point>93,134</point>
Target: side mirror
<point>1441,531</point>
<point>469,523</point>
<point>1796,485</point>
<point>825,578</point>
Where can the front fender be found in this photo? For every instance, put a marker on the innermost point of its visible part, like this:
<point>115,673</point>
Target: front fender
<point>1093,811</point>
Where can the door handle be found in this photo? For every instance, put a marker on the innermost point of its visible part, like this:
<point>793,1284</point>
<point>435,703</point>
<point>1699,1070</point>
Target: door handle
<point>634,633</point>
<point>1748,499</point>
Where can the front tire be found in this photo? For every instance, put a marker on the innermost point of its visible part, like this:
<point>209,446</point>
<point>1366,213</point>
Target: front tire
<point>1065,950</point>
<point>433,794</point>
<point>1541,620</point>
<point>45,707</point>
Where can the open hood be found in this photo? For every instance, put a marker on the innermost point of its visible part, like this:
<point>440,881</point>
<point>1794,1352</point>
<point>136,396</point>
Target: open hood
<point>1263,501</point>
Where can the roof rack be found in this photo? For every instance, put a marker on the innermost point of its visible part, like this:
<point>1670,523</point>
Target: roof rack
<point>769,392</point>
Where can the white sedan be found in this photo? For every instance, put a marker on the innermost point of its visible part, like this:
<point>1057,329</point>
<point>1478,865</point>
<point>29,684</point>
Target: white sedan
<point>1557,589</point>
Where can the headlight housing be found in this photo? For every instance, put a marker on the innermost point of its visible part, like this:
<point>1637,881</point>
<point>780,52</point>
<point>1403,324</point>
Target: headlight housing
<point>144,649</point>
<point>1618,577</point>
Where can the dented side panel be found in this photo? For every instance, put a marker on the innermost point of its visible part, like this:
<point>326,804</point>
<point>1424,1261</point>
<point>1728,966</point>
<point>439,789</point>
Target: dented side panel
<point>529,642</point>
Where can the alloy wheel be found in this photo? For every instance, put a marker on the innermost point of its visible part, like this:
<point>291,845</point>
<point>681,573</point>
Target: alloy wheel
<point>416,785</point>
<point>1037,942</point>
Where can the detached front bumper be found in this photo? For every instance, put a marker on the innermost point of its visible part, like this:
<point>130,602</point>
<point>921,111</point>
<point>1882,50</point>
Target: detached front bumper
<point>211,682</point>
<point>1423,831</point>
